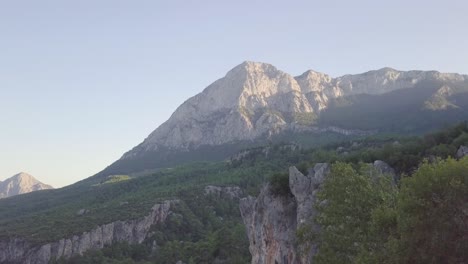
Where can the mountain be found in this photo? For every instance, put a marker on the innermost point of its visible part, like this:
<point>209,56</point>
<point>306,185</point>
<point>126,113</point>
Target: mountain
<point>255,102</point>
<point>255,99</point>
<point>21,183</point>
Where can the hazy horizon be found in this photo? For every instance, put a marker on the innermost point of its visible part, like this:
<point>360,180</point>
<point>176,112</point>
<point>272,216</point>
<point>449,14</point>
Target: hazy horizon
<point>83,82</point>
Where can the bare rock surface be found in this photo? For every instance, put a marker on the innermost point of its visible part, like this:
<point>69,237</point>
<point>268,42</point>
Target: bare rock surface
<point>134,231</point>
<point>21,183</point>
<point>272,220</point>
<point>230,192</point>
<point>256,100</point>
<point>383,168</point>
<point>462,152</point>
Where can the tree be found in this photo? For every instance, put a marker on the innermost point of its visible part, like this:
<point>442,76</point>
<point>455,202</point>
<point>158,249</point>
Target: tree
<point>433,214</point>
<point>345,211</point>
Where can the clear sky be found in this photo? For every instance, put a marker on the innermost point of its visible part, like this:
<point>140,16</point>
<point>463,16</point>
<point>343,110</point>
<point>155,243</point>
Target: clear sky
<point>81,82</point>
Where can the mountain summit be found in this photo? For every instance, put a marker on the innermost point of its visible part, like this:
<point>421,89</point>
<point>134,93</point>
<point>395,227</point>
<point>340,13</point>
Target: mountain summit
<point>256,100</point>
<point>21,183</point>
<point>243,105</point>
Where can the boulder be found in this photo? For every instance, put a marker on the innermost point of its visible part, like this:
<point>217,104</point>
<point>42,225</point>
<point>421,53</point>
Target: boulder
<point>462,152</point>
<point>383,168</point>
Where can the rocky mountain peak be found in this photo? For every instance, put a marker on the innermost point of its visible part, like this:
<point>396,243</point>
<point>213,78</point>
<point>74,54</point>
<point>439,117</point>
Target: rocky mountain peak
<point>252,67</point>
<point>22,176</point>
<point>256,100</point>
<point>21,183</point>
<point>245,104</point>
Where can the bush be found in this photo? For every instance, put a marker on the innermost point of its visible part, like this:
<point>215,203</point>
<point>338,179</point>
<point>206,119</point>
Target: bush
<point>279,184</point>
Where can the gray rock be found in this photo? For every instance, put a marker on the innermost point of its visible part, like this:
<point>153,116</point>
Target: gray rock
<point>131,231</point>
<point>82,212</point>
<point>272,221</point>
<point>340,149</point>
<point>320,171</point>
<point>271,233</point>
<point>462,152</point>
<point>383,168</point>
<point>229,192</point>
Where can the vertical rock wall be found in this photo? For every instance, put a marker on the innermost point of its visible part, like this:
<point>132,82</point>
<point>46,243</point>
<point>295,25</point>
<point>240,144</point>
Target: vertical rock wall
<point>131,231</point>
<point>272,220</point>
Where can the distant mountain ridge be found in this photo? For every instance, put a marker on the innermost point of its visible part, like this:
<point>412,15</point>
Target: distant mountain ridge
<point>256,100</point>
<point>21,183</point>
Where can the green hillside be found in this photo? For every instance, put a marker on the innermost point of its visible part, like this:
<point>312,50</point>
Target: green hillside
<point>202,228</point>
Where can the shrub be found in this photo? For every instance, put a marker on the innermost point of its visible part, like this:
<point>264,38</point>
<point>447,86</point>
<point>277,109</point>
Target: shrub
<point>279,184</point>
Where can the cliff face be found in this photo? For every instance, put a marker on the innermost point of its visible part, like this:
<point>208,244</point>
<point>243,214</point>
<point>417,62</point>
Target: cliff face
<point>256,99</point>
<point>272,220</point>
<point>132,231</point>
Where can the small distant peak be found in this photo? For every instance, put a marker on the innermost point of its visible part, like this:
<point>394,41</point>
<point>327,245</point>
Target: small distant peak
<point>311,73</point>
<point>23,175</point>
<point>387,69</point>
<point>252,66</point>
<point>381,71</point>
<point>384,70</point>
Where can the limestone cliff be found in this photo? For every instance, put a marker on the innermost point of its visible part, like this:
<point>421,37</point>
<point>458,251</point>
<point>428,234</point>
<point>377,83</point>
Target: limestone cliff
<point>17,250</point>
<point>257,100</point>
<point>272,220</point>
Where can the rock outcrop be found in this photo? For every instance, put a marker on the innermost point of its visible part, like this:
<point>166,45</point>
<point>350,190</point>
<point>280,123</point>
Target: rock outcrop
<point>272,220</point>
<point>21,183</point>
<point>462,152</point>
<point>229,192</point>
<point>135,231</point>
<point>262,151</point>
<point>384,169</point>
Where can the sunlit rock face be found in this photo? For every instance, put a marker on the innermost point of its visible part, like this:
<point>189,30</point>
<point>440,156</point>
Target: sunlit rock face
<point>256,100</point>
<point>21,183</point>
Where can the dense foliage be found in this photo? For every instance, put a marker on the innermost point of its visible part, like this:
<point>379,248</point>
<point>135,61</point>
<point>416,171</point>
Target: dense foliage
<point>279,184</point>
<point>432,214</point>
<point>346,204</point>
<point>367,220</point>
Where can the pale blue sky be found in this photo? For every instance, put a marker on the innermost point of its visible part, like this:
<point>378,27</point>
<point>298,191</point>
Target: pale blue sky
<point>84,81</point>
